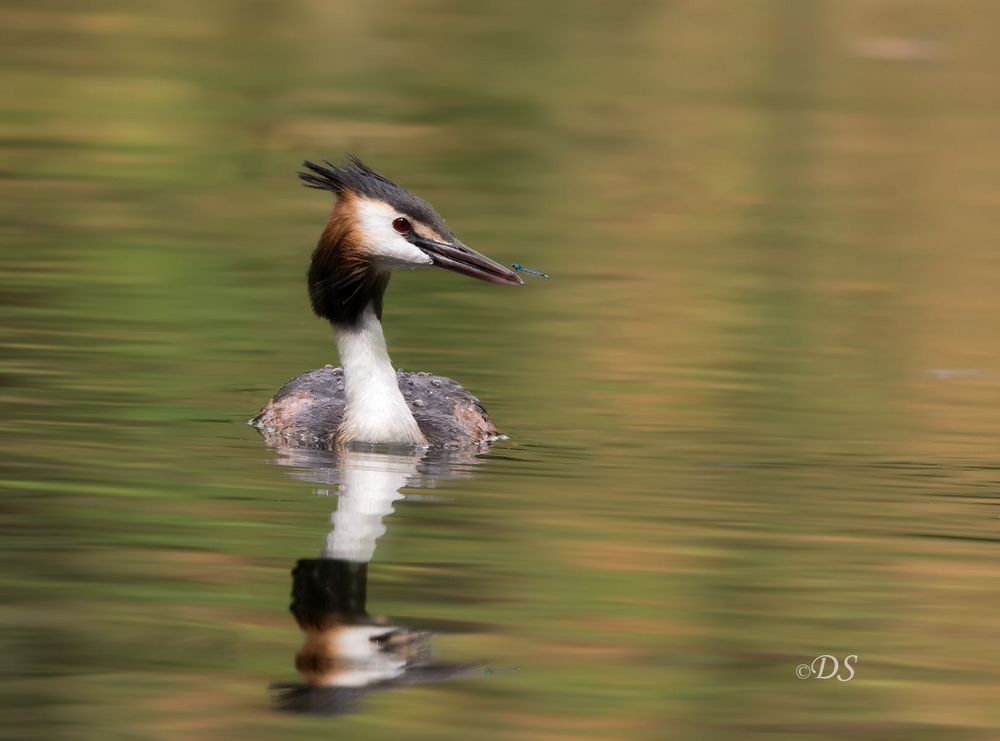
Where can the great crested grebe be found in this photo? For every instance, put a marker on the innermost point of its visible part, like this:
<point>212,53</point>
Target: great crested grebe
<point>375,227</point>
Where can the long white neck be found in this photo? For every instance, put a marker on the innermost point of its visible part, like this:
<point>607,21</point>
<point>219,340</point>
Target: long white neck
<point>376,411</point>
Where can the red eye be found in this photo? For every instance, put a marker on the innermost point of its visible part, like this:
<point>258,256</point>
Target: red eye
<point>401,225</point>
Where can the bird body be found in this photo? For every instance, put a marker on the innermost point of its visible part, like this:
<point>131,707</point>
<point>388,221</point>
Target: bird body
<point>308,411</point>
<point>375,227</point>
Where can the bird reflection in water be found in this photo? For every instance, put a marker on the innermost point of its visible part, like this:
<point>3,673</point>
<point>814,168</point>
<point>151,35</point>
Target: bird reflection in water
<point>347,652</point>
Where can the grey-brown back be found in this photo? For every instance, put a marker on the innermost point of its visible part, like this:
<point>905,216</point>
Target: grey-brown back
<point>306,411</point>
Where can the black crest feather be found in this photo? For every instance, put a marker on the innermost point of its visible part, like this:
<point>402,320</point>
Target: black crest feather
<point>355,176</point>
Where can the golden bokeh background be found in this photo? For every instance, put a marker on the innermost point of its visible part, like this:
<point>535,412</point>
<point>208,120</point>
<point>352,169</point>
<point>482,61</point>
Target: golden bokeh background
<point>755,413</point>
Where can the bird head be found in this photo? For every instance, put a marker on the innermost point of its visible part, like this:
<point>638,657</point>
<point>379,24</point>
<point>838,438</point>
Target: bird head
<point>377,226</point>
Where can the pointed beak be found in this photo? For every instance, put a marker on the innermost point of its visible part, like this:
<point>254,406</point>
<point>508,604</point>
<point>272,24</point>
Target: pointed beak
<point>467,261</point>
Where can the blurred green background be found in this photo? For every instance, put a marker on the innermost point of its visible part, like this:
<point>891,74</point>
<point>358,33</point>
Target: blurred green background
<point>755,413</point>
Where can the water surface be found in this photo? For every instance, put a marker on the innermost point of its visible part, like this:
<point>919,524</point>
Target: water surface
<point>753,416</point>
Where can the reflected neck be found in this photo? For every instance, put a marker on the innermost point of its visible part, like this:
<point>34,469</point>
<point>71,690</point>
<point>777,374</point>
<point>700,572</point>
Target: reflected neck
<point>369,486</point>
<point>375,410</point>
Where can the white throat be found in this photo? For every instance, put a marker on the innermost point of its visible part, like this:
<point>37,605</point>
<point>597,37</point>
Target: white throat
<point>376,411</point>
